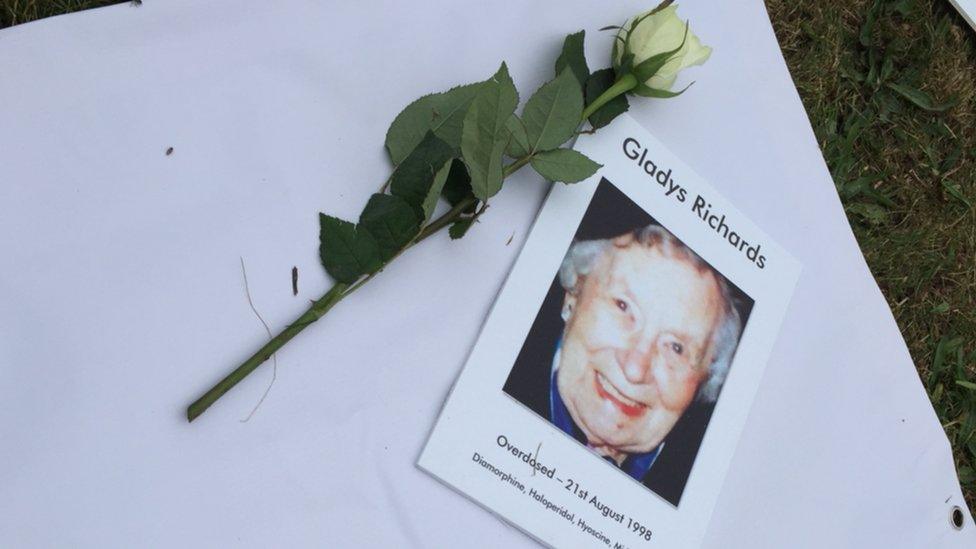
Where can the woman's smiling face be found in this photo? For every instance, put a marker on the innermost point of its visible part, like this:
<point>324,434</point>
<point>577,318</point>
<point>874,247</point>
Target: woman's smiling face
<point>636,346</point>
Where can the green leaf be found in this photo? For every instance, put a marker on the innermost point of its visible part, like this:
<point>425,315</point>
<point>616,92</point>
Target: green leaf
<point>951,159</point>
<point>615,52</point>
<point>867,29</point>
<point>573,57</point>
<point>484,135</point>
<point>565,165</point>
<point>626,63</point>
<point>920,98</point>
<point>902,7</point>
<point>518,143</point>
<point>864,185</point>
<point>552,114</point>
<point>599,82</point>
<point>459,228</point>
<point>458,184</point>
<point>391,221</point>
<point>434,192</point>
<point>441,113</point>
<point>874,67</point>
<point>954,190</point>
<point>967,475</point>
<point>967,384</point>
<point>346,252</point>
<point>944,346</point>
<point>887,67</point>
<point>412,179</point>
<point>872,213</point>
<point>659,7</point>
<point>647,91</point>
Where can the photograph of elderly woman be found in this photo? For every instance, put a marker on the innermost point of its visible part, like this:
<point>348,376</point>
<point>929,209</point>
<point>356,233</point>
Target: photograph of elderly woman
<point>631,346</point>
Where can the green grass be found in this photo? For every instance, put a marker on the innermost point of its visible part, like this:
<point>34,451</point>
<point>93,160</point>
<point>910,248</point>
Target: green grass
<point>890,88</point>
<point>14,12</point>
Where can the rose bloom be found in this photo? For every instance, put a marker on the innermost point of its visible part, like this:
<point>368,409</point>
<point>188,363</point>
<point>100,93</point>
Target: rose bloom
<point>657,33</point>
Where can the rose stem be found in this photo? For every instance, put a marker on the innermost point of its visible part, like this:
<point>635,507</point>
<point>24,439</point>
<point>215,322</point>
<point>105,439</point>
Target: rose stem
<point>320,307</point>
<point>623,85</point>
<point>340,291</point>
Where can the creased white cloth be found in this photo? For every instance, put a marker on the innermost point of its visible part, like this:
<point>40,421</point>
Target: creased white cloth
<point>121,297</point>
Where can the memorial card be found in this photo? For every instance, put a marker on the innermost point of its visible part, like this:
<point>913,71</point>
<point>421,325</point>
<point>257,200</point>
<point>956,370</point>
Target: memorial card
<point>604,398</point>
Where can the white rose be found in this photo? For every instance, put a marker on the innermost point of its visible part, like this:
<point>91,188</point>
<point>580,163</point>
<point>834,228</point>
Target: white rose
<point>657,32</point>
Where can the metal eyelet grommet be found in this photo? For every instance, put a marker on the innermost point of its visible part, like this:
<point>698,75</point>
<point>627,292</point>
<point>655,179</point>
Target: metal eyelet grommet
<point>956,517</point>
